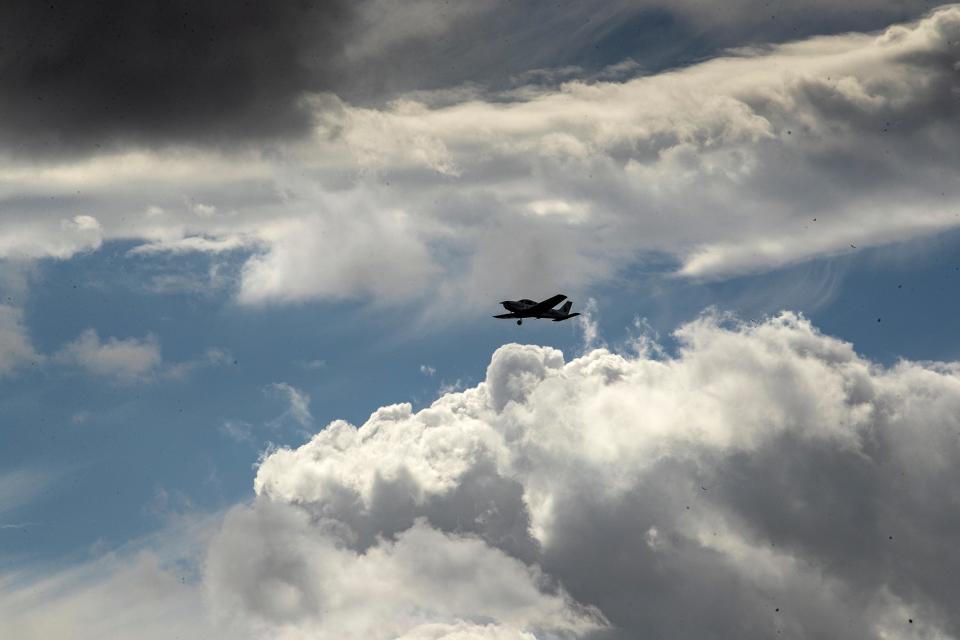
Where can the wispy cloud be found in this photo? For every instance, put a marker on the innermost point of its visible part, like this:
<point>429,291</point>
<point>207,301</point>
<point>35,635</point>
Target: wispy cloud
<point>298,404</point>
<point>124,360</point>
<point>21,486</point>
<point>589,325</point>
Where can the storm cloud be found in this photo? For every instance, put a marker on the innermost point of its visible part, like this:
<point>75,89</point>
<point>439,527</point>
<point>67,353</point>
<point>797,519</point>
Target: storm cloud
<point>82,76</point>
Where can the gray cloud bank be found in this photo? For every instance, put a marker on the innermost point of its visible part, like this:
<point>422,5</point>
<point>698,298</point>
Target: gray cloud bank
<point>84,75</point>
<point>765,481</point>
<point>81,77</point>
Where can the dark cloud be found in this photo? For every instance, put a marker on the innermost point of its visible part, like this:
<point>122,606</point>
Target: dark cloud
<point>77,75</point>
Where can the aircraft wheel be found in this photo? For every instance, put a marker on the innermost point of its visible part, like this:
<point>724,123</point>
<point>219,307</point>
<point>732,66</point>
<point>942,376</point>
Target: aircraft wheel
<point>519,321</point>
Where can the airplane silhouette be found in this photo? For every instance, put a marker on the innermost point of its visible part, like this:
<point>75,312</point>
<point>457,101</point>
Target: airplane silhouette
<point>525,308</point>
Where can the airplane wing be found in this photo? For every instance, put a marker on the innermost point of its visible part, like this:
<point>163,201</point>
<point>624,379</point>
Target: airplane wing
<point>546,305</point>
<point>506,315</point>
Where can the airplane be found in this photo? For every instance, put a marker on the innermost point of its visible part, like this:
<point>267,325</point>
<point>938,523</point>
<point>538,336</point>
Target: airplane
<point>525,308</point>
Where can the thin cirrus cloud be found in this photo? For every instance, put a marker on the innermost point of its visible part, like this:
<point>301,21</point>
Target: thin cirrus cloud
<point>741,164</point>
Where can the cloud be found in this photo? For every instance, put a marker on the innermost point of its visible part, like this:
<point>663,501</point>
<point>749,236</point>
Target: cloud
<point>766,156</point>
<point>15,345</point>
<point>132,359</point>
<point>432,44</point>
<point>723,165</point>
<point>764,479</point>
<point>298,403</point>
<point>589,325</point>
<point>338,256</point>
<point>237,430</point>
<point>212,357</point>
<point>147,590</point>
<point>125,360</point>
<point>81,79</point>
<point>78,78</point>
<point>32,238</point>
<point>21,486</point>
<point>302,584</point>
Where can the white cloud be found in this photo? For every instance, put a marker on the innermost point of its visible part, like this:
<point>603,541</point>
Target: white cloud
<point>343,255</point>
<point>765,478</point>
<point>25,237</point>
<point>589,325</point>
<point>237,430</point>
<point>15,346</point>
<point>125,360</point>
<point>212,357</point>
<point>148,590</point>
<point>21,486</point>
<point>302,582</point>
<point>298,403</point>
<point>722,165</point>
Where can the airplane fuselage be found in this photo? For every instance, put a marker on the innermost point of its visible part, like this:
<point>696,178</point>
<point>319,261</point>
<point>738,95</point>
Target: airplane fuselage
<point>526,308</point>
<point>520,308</point>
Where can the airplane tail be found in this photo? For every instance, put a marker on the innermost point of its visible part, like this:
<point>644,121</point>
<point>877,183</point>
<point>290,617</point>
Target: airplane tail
<point>565,310</point>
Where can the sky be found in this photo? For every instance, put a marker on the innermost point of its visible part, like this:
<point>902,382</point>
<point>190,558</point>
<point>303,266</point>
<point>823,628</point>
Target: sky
<point>250,385</point>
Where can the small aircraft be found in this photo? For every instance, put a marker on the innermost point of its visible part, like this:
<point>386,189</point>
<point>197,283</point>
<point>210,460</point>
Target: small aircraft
<point>521,309</point>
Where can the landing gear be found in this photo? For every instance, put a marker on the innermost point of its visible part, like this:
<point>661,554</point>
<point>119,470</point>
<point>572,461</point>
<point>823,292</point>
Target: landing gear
<point>519,321</point>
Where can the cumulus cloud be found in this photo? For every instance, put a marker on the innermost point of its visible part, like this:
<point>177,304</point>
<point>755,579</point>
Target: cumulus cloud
<point>126,360</point>
<point>392,589</point>
<point>764,480</point>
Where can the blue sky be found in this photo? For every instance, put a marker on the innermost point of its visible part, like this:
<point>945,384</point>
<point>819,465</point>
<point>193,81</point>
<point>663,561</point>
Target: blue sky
<point>82,433</point>
<point>201,273</point>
